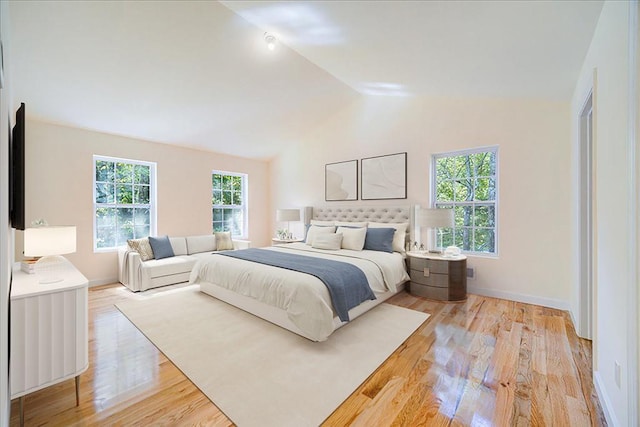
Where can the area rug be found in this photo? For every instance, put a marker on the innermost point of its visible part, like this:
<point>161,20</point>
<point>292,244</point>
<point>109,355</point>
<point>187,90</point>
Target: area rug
<point>259,374</point>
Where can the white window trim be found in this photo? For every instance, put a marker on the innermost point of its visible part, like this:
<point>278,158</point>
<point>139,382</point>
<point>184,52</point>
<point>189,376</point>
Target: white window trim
<point>496,151</point>
<point>245,201</point>
<point>153,200</point>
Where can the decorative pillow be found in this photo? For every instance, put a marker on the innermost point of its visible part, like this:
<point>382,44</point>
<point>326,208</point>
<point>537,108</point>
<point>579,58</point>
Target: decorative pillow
<point>141,246</point>
<point>319,222</point>
<point>350,224</point>
<point>161,247</point>
<point>316,230</point>
<point>379,239</point>
<point>223,241</point>
<point>352,238</point>
<point>399,236</point>
<point>331,241</point>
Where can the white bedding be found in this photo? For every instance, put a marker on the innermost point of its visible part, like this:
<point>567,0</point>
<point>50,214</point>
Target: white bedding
<point>303,297</point>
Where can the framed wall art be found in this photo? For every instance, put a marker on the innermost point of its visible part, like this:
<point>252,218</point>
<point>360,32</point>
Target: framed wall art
<point>341,181</point>
<point>384,177</point>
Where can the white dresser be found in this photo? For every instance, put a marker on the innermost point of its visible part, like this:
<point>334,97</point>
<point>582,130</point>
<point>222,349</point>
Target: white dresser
<point>49,332</point>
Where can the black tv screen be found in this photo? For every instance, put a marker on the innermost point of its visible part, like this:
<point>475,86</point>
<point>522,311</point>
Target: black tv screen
<point>16,175</point>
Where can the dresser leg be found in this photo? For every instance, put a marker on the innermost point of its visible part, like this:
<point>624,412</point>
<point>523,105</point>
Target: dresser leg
<point>77,390</point>
<point>21,411</point>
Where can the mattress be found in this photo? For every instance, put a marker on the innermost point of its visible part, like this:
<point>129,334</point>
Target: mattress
<point>303,298</point>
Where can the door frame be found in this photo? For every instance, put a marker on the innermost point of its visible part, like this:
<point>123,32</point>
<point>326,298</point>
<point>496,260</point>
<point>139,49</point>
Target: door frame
<point>586,198</point>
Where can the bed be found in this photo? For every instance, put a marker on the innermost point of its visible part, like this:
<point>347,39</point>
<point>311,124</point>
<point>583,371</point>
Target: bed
<point>301,302</point>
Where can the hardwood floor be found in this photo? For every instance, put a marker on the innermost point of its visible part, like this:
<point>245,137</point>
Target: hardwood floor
<point>482,362</point>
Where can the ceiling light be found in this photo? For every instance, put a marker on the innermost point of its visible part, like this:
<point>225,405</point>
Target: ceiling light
<point>271,40</point>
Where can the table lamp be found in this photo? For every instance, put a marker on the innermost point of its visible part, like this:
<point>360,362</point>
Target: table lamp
<point>288,215</point>
<point>49,244</point>
<point>435,219</point>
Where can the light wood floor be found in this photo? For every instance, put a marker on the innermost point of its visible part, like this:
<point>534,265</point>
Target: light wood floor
<point>483,362</point>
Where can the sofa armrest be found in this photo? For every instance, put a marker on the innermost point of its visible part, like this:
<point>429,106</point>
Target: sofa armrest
<point>241,244</point>
<point>128,265</point>
<point>122,275</point>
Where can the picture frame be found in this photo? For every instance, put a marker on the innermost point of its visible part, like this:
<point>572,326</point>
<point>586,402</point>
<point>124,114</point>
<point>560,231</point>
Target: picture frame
<point>341,181</point>
<point>384,177</point>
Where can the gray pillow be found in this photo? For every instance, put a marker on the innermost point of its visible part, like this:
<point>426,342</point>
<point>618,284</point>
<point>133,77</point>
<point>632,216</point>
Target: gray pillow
<point>161,247</point>
<point>379,239</point>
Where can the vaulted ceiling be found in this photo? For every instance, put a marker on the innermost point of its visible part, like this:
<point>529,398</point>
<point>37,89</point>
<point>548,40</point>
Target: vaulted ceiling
<point>199,73</point>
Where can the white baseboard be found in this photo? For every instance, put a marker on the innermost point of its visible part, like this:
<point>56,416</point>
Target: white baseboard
<point>605,402</point>
<point>529,299</point>
<point>575,323</point>
<point>100,282</point>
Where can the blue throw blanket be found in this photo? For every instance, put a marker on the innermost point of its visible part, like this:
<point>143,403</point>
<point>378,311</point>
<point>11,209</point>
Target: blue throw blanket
<point>347,284</point>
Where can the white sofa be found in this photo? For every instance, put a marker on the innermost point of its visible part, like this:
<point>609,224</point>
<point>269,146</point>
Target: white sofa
<point>139,275</point>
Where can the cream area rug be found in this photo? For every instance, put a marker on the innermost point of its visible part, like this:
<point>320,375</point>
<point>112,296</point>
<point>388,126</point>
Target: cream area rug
<point>259,374</point>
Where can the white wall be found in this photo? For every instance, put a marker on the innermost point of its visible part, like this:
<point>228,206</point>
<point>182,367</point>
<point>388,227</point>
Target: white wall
<point>59,188</point>
<point>534,176</point>
<point>608,56</point>
<point>6,239</point>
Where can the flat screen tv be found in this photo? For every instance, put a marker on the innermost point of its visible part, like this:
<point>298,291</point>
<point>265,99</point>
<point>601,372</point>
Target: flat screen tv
<point>17,170</point>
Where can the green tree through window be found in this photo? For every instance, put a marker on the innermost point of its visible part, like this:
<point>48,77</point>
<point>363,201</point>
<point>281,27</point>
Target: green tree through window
<point>124,206</point>
<point>466,181</point>
<point>229,202</point>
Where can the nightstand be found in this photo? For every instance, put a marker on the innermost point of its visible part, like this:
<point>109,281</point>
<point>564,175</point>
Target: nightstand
<point>437,277</point>
<point>276,241</point>
<point>49,332</point>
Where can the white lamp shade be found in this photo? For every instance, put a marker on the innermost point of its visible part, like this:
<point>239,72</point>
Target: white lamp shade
<point>47,241</point>
<point>288,215</point>
<point>435,218</point>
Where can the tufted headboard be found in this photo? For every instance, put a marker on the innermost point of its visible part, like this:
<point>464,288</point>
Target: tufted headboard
<point>390,214</point>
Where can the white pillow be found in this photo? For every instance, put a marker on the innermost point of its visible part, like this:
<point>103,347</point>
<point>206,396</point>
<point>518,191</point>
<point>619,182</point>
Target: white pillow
<point>316,230</point>
<point>318,222</point>
<point>350,224</point>
<point>398,237</point>
<point>353,238</point>
<point>327,241</point>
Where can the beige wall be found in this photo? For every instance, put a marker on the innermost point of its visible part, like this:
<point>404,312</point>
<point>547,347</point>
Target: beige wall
<point>608,56</point>
<point>534,176</point>
<point>59,188</point>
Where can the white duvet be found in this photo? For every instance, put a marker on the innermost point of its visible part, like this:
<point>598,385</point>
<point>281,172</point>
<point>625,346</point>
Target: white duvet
<point>303,297</point>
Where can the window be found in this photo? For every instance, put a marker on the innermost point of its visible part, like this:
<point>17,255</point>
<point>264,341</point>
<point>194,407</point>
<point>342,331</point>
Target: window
<point>466,181</point>
<point>229,201</point>
<point>124,201</point>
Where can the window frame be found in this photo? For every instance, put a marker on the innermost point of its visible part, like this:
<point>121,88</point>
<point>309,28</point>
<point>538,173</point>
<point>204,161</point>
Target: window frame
<point>244,206</point>
<point>153,200</point>
<point>434,185</point>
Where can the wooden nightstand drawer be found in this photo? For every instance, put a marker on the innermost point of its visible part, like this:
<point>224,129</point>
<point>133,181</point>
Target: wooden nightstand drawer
<point>441,294</point>
<point>434,266</point>
<point>437,277</point>
<point>439,280</point>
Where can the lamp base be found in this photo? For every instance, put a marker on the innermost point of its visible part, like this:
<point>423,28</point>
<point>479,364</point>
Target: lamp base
<point>52,269</point>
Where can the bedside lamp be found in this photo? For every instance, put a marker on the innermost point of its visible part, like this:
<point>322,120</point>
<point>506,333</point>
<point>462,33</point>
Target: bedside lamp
<point>288,215</point>
<point>50,243</point>
<point>435,218</point>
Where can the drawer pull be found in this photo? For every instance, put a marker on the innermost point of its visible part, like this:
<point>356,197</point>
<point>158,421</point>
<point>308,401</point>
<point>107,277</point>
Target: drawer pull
<point>426,272</point>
